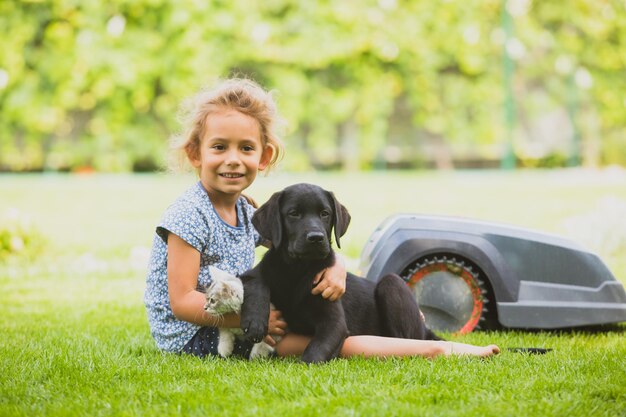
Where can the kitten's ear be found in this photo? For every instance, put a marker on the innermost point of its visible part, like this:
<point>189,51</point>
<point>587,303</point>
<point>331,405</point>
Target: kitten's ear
<point>214,272</point>
<point>230,292</point>
<point>217,274</point>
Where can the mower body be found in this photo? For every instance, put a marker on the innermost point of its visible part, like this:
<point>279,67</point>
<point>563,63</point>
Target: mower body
<point>539,281</point>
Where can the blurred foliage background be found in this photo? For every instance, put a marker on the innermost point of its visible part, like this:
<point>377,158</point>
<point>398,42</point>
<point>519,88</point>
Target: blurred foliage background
<point>364,84</point>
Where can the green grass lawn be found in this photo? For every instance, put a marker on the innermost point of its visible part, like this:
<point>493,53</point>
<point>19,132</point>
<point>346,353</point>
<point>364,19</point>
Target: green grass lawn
<point>75,341</point>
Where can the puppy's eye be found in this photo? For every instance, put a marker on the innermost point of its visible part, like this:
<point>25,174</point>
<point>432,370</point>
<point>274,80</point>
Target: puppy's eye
<point>294,213</point>
<point>324,214</point>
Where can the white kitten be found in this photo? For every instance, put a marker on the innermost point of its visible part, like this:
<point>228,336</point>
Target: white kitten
<point>225,295</point>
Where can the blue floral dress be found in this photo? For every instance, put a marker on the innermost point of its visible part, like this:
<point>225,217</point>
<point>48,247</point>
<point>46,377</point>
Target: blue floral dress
<point>193,218</point>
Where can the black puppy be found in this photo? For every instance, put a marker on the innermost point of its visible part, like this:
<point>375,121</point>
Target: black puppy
<point>299,221</point>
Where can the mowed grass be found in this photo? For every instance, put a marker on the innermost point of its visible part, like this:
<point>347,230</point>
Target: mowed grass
<point>74,338</point>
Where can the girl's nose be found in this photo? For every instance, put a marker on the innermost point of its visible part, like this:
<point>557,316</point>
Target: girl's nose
<point>232,158</point>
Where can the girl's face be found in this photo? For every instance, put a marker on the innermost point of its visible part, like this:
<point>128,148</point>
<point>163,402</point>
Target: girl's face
<point>231,153</point>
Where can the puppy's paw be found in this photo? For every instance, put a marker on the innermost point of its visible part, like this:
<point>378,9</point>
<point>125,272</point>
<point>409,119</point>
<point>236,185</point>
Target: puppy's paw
<point>261,350</point>
<point>313,357</point>
<point>254,330</point>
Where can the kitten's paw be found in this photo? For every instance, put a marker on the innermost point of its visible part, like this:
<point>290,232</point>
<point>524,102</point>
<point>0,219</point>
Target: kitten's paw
<point>226,343</point>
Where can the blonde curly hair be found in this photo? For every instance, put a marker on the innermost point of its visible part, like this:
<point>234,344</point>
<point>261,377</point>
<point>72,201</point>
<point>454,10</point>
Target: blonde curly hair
<point>242,95</point>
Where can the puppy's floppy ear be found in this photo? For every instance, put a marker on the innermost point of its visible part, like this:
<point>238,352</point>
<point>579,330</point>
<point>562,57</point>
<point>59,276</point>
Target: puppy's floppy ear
<point>341,218</point>
<point>266,220</point>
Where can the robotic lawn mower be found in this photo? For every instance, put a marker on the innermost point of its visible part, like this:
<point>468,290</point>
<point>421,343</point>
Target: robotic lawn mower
<point>469,274</point>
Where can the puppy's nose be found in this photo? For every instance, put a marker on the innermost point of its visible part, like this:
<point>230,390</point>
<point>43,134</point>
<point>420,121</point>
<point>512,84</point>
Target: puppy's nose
<point>315,237</point>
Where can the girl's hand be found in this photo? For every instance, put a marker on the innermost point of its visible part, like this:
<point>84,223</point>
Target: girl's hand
<point>331,282</point>
<point>275,327</point>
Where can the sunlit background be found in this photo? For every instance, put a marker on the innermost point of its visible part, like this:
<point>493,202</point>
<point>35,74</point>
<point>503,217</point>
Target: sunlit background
<point>364,85</point>
<point>376,93</point>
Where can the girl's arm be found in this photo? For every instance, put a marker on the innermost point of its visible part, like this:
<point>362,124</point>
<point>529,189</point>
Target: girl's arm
<point>331,282</point>
<point>183,267</point>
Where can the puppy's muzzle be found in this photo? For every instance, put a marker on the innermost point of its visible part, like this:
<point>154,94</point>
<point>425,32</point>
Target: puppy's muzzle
<point>315,237</point>
<point>312,244</point>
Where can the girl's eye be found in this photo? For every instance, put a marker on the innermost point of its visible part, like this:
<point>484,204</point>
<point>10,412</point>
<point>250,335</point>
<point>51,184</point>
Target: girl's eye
<point>218,147</point>
<point>248,148</point>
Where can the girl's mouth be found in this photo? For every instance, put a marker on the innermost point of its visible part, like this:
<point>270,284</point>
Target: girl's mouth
<point>231,175</point>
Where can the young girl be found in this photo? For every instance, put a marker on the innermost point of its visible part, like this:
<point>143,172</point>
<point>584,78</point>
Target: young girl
<point>231,136</point>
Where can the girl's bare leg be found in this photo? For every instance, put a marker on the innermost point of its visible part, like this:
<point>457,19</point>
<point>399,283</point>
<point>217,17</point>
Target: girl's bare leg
<point>292,345</point>
<point>382,347</point>
<point>376,346</point>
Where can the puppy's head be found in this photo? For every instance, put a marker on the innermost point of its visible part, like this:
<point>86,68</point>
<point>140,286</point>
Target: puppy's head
<point>300,219</point>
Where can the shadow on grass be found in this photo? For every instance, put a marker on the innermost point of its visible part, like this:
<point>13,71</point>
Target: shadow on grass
<point>608,329</point>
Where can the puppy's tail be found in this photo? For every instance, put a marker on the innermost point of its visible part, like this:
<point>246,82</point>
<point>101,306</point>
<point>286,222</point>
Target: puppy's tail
<point>430,335</point>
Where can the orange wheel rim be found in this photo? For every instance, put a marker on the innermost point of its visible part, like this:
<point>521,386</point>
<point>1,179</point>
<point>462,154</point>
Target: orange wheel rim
<point>469,280</point>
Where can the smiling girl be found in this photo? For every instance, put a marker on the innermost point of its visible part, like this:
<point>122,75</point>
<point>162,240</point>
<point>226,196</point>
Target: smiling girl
<point>230,136</point>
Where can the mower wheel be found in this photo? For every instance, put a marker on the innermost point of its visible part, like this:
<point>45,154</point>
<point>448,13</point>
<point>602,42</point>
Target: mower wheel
<point>453,293</point>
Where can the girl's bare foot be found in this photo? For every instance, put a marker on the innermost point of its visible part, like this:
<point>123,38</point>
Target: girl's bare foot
<point>461,349</point>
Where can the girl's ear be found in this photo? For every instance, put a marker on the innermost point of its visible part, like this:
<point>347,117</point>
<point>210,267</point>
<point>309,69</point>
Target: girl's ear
<point>195,163</point>
<point>266,157</point>
<point>193,154</point>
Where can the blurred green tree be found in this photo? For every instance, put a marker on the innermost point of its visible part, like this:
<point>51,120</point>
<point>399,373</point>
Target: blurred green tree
<point>364,84</point>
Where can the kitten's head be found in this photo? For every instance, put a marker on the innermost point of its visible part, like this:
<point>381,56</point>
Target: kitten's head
<point>225,294</point>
